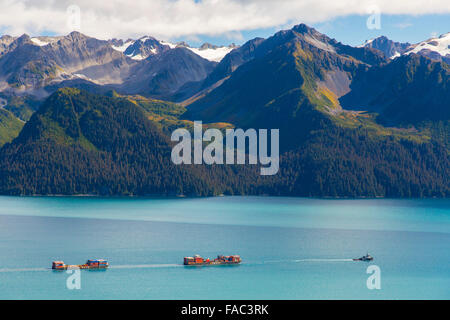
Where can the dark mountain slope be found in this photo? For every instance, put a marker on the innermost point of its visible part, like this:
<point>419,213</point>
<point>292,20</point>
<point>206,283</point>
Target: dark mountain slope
<point>78,143</point>
<point>297,73</point>
<point>342,162</point>
<point>162,75</point>
<point>234,59</point>
<point>295,86</point>
<point>258,48</point>
<point>409,90</point>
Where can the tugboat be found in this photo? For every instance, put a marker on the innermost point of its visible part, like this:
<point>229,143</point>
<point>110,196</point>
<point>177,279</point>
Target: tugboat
<point>220,260</point>
<point>367,257</point>
<point>90,264</point>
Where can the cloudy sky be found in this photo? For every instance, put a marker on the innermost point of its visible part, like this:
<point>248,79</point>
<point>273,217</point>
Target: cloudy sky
<point>225,21</point>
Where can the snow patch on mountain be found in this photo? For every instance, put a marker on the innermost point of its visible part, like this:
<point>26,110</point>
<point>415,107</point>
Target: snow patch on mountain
<point>212,54</point>
<point>138,57</point>
<point>169,44</point>
<point>123,47</point>
<point>439,45</point>
<point>366,43</point>
<point>39,42</point>
<point>82,76</point>
<point>395,55</point>
<point>206,51</point>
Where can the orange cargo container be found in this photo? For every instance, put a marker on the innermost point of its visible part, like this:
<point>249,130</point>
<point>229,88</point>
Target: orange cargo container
<point>90,264</point>
<point>220,260</point>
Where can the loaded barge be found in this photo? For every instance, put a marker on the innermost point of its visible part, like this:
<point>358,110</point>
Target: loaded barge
<point>90,264</point>
<point>220,260</point>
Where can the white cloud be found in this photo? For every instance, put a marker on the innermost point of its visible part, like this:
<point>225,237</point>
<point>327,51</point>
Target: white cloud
<point>174,18</point>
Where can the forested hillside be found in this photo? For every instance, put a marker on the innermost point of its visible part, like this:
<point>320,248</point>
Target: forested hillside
<point>81,143</point>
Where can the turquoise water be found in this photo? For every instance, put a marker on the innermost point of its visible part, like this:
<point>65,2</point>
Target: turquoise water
<point>292,248</point>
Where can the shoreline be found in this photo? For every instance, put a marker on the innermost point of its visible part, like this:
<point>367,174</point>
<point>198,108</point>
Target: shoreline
<point>165,196</point>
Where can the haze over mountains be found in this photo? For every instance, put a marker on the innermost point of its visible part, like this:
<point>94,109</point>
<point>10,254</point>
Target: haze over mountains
<point>360,121</point>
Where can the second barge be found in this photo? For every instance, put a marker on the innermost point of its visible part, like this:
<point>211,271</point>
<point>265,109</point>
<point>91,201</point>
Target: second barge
<point>220,260</point>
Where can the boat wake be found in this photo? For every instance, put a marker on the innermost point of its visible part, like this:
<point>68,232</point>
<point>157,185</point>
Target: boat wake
<point>309,260</point>
<point>145,266</point>
<point>23,269</point>
<point>151,266</point>
<point>323,260</point>
<point>131,266</point>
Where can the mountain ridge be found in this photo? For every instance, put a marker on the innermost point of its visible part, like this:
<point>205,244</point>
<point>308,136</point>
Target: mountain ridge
<point>353,122</point>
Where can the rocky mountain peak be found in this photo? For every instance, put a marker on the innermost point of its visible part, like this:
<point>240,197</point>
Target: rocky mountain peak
<point>304,29</point>
<point>76,36</point>
<point>207,45</point>
<point>183,44</point>
<point>23,38</point>
<point>391,49</point>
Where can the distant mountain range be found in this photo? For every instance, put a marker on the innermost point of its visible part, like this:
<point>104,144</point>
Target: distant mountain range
<point>434,48</point>
<point>148,46</point>
<point>364,121</point>
<point>36,66</point>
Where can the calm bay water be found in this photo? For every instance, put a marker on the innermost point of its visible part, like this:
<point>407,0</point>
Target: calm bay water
<point>292,248</point>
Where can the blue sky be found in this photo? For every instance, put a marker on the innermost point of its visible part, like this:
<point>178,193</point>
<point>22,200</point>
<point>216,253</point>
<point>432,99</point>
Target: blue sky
<point>224,21</point>
<point>351,29</point>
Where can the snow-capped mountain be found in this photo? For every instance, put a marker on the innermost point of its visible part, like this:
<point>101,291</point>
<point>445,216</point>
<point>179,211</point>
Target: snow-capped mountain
<point>141,49</point>
<point>433,48</point>
<point>28,64</point>
<point>211,52</point>
<point>148,46</point>
<point>391,49</point>
<point>40,65</point>
<point>44,41</point>
<point>166,70</point>
<point>207,51</point>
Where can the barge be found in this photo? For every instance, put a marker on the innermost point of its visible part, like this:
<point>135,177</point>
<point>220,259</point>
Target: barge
<point>90,264</point>
<point>220,260</point>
